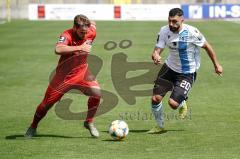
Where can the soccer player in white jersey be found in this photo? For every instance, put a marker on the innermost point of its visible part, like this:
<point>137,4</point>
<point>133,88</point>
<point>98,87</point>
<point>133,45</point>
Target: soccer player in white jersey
<point>178,73</point>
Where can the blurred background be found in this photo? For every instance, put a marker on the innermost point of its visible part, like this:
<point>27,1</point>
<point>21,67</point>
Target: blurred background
<point>19,9</point>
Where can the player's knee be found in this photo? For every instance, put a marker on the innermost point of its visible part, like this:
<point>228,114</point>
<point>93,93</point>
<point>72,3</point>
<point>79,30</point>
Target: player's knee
<point>93,92</point>
<point>156,99</point>
<point>97,95</point>
<point>47,103</point>
<point>173,104</point>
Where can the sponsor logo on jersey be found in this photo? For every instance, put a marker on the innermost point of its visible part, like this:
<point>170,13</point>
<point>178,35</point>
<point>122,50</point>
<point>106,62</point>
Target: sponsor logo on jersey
<point>61,39</point>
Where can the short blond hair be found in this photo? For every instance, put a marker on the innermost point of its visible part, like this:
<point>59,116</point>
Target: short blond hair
<point>80,20</point>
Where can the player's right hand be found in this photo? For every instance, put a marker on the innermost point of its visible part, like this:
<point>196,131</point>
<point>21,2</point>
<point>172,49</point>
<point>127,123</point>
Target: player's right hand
<point>219,70</point>
<point>85,47</point>
<point>156,58</point>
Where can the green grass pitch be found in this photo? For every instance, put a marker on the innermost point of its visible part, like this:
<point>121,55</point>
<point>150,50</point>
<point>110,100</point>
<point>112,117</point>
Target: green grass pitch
<point>27,59</point>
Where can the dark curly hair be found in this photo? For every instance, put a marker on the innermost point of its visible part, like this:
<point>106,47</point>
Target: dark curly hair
<point>175,11</point>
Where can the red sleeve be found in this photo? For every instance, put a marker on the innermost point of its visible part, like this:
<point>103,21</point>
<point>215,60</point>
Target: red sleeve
<point>91,32</point>
<point>64,39</point>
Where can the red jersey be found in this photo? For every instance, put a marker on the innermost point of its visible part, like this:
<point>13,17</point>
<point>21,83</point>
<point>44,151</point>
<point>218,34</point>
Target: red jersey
<point>72,62</point>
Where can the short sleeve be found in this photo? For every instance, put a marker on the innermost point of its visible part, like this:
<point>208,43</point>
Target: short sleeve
<point>63,39</point>
<point>198,38</point>
<point>161,39</point>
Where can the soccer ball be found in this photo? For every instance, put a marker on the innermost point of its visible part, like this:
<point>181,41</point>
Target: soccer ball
<point>118,129</point>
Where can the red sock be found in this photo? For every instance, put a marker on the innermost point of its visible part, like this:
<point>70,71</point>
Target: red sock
<point>41,111</point>
<point>51,97</point>
<point>93,103</point>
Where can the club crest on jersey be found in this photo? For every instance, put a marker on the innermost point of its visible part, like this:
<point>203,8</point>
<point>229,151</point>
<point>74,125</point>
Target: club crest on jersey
<point>173,46</point>
<point>61,39</point>
<point>183,38</point>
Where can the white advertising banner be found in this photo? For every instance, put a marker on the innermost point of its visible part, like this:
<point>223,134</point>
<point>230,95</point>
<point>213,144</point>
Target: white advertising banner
<point>147,11</point>
<point>100,11</point>
<point>33,11</point>
<point>68,11</point>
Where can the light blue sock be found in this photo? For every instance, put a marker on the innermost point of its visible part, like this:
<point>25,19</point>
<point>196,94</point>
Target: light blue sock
<point>157,111</point>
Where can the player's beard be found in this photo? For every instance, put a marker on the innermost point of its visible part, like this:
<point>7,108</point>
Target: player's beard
<point>174,29</point>
<point>81,36</point>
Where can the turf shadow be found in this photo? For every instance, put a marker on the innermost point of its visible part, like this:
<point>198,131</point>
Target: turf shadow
<point>15,137</point>
<point>165,131</point>
<point>138,131</point>
<point>112,140</point>
<point>175,130</point>
<point>131,131</point>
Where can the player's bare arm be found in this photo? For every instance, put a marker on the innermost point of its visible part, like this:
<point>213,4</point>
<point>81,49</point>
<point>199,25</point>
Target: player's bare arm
<point>211,53</point>
<point>156,55</point>
<point>65,49</point>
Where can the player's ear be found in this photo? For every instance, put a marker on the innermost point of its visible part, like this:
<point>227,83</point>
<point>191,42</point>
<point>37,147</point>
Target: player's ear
<point>182,19</point>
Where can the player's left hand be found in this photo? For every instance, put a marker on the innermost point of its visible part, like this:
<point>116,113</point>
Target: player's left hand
<point>219,70</point>
<point>156,58</point>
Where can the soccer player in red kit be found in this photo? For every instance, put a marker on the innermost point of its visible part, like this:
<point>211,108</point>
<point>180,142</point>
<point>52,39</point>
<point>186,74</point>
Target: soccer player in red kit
<point>72,72</point>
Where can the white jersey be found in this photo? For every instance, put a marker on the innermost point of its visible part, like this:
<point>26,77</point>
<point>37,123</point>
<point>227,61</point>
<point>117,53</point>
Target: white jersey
<point>184,48</point>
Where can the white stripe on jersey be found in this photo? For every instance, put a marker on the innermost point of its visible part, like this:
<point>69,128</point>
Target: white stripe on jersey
<point>184,48</point>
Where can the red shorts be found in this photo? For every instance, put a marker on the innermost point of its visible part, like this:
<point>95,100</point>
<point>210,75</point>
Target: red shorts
<point>80,79</point>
